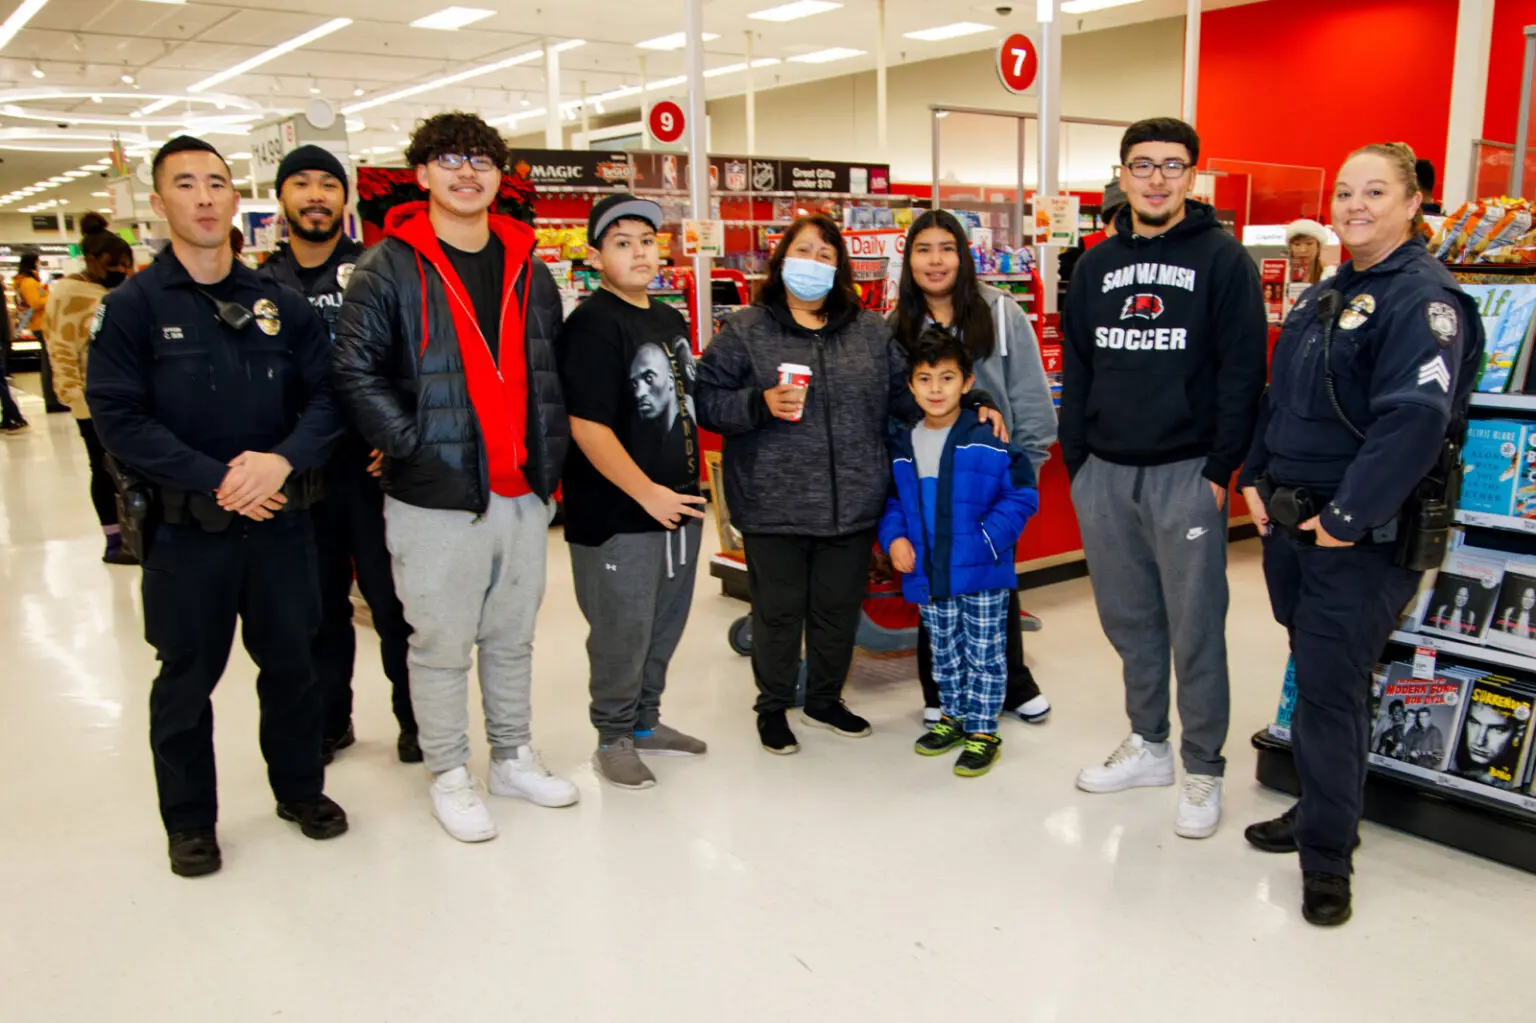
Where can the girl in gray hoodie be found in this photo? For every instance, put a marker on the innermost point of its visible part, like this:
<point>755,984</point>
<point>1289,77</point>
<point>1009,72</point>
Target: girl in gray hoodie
<point>939,286</point>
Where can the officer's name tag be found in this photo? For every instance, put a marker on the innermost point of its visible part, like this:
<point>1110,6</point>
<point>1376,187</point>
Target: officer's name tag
<point>1424,663</point>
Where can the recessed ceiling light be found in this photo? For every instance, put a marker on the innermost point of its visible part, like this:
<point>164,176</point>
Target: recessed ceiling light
<point>127,79</point>
<point>37,70</point>
<point>450,18</point>
<point>358,91</point>
<point>675,41</point>
<point>1085,6</point>
<point>101,195</point>
<point>792,12</point>
<point>959,28</point>
<point>95,99</point>
<point>826,56</point>
<point>304,39</point>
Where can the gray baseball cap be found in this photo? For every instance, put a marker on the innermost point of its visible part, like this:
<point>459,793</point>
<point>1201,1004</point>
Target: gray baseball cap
<point>616,207</point>
<point>1114,198</point>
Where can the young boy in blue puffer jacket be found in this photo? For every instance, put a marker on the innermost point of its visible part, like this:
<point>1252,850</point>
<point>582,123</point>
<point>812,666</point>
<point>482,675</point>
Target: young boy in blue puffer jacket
<point>962,499</point>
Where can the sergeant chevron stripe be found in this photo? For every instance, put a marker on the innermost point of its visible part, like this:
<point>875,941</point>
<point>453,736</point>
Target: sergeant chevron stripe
<point>1435,371</point>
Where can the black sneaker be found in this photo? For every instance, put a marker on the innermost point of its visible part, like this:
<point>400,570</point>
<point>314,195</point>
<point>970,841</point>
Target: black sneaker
<point>839,719</point>
<point>941,738</point>
<point>318,818</point>
<point>331,747</point>
<point>119,555</point>
<point>1278,835</point>
<point>1325,898</point>
<point>13,426</point>
<point>408,749</point>
<point>194,853</point>
<point>773,730</point>
<point>981,752</point>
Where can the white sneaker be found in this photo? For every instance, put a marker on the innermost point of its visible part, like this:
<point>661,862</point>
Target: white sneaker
<point>1199,806</point>
<point>1136,764</point>
<point>459,808</point>
<point>526,777</point>
<point>1034,712</point>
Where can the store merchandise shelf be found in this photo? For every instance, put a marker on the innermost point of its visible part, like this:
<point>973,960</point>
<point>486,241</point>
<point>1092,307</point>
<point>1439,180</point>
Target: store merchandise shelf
<point>1512,402</point>
<point>1471,651</point>
<point>1005,277</point>
<point>1509,522</point>
<point>1450,811</point>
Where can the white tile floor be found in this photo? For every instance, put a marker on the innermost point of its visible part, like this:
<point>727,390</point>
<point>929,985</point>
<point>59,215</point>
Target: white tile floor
<point>854,881</point>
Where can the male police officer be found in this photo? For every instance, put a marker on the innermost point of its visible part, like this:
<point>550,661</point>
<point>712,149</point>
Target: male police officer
<point>349,520</point>
<point>212,384</point>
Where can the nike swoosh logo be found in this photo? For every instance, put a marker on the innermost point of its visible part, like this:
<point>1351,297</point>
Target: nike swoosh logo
<point>1196,533</point>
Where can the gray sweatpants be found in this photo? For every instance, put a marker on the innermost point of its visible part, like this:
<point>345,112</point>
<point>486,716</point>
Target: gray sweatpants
<point>635,591</point>
<point>467,580</point>
<point>1157,551</point>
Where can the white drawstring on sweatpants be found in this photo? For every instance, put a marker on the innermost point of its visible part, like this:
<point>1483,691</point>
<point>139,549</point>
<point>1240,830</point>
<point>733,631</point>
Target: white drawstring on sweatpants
<point>681,532</point>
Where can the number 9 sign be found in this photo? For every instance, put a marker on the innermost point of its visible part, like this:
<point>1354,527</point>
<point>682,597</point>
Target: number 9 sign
<point>1017,62</point>
<point>666,122</point>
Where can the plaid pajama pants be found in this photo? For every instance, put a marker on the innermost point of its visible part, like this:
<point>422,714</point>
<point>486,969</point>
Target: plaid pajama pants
<point>970,664</point>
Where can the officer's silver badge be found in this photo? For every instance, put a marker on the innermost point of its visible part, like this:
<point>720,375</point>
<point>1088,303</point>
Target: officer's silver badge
<point>266,316</point>
<point>1442,322</point>
<point>344,274</point>
<point>1360,309</point>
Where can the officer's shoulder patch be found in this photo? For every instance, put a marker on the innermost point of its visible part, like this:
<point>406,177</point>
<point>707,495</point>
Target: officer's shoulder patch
<point>1443,323</point>
<point>98,319</point>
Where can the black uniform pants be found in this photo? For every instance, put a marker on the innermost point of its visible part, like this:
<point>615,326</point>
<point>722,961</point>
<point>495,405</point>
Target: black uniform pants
<point>349,538</point>
<point>1021,681</point>
<point>196,585</point>
<point>103,493</point>
<point>808,587</point>
<point>10,414</point>
<point>1340,606</point>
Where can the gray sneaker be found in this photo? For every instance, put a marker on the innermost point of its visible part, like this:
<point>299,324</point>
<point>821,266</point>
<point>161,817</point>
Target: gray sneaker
<point>666,741</point>
<point>620,765</point>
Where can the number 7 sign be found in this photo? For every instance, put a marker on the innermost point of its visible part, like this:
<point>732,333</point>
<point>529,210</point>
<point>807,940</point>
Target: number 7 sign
<point>1017,62</point>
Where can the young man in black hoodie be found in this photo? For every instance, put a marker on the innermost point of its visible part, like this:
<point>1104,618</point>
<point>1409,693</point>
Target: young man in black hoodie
<point>1165,365</point>
<point>317,262</point>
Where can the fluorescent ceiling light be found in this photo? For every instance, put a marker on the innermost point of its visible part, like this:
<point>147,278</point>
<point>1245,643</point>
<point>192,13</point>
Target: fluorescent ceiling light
<point>297,41</point>
<point>163,1</point>
<point>18,20</point>
<point>76,174</point>
<point>798,9</point>
<point>959,28</point>
<point>569,44</point>
<point>675,41</point>
<point>826,56</point>
<point>667,83</point>
<point>728,69</point>
<point>438,83</point>
<point>450,18</point>
<point>101,195</point>
<point>1085,6</point>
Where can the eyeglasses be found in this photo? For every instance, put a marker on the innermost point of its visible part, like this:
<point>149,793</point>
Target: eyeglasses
<point>1172,170</point>
<point>453,161</point>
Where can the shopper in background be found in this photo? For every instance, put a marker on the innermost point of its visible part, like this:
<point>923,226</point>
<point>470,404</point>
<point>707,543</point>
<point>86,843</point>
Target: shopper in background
<point>1401,359</point>
<point>68,322</point>
<point>960,501</point>
<point>1304,241</point>
<point>1424,174</point>
<point>11,420</point>
<point>939,288</point>
<point>633,513</point>
<point>807,546</point>
<point>1066,263</point>
<point>32,301</point>
<point>212,384</point>
<point>317,262</point>
<point>1166,345</point>
<point>444,358</point>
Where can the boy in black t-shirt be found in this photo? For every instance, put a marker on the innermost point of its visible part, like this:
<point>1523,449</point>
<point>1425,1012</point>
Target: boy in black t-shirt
<point>632,505</point>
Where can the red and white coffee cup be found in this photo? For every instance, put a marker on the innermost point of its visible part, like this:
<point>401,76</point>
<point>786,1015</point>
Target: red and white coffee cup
<point>798,377</point>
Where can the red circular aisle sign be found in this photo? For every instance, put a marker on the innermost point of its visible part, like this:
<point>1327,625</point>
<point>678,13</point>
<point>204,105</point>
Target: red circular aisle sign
<point>1017,62</point>
<point>666,122</point>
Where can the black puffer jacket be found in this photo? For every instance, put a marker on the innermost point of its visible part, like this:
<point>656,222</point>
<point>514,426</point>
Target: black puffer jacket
<point>828,474</point>
<point>414,405</point>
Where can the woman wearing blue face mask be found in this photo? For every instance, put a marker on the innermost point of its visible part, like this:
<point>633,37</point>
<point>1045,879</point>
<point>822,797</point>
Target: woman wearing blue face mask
<point>806,468</point>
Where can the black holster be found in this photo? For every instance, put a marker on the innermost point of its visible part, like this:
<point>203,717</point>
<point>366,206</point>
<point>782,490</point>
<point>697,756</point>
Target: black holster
<point>138,508</point>
<point>1289,507</point>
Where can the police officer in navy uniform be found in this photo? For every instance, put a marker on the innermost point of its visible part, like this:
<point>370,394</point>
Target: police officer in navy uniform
<point>1331,480</point>
<point>212,384</point>
<point>317,262</point>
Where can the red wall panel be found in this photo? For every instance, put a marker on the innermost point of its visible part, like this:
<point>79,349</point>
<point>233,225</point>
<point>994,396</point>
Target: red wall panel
<point>1306,81</point>
<point>1506,59</point>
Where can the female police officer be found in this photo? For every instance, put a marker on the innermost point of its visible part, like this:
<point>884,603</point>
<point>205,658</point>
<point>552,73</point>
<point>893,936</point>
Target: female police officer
<point>1371,371</point>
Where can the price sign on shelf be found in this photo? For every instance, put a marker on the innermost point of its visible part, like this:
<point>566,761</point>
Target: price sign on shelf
<point>1017,63</point>
<point>666,122</point>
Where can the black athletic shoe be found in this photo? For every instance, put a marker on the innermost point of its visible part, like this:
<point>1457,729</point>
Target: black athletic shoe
<point>1278,835</point>
<point>119,555</point>
<point>980,753</point>
<point>408,748</point>
<point>318,818</point>
<point>331,747</point>
<point>773,730</point>
<point>838,718</point>
<point>941,738</point>
<point>14,425</point>
<point>1325,898</point>
<point>195,853</point>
